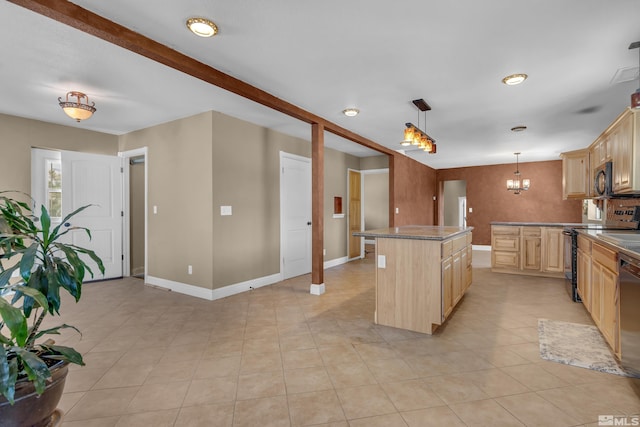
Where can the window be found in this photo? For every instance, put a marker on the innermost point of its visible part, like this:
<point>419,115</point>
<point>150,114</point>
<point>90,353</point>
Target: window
<point>54,188</point>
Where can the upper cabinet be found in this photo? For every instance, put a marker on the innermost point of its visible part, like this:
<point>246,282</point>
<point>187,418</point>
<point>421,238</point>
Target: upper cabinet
<point>575,174</point>
<point>620,144</point>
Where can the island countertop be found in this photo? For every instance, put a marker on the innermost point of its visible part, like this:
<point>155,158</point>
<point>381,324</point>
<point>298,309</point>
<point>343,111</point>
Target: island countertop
<point>416,232</point>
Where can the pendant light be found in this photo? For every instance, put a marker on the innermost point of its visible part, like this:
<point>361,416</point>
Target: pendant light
<point>517,185</point>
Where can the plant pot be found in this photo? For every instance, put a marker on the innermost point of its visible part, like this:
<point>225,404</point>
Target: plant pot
<point>30,409</point>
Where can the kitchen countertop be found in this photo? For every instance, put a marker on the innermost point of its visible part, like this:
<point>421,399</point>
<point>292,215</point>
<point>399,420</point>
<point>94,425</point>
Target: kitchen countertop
<point>595,236</point>
<point>416,232</point>
<point>540,224</point>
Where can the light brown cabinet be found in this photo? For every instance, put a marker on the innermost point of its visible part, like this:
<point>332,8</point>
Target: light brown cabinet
<point>605,307</point>
<point>576,181</point>
<point>624,136</point>
<point>584,271</point>
<point>530,250</point>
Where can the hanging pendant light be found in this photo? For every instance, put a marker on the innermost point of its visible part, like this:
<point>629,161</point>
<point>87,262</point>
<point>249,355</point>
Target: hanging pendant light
<point>635,97</point>
<point>77,110</point>
<point>517,185</point>
<point>414,136</point>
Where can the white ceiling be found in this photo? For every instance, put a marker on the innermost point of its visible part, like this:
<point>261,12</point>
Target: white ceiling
<point>327,55</point>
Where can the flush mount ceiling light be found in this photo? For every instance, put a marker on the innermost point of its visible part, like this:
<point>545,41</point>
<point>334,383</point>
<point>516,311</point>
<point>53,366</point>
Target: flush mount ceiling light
<point>77,110</point>
<point>202,27</point>
<point>517,185</point>
<point>350,112</point>
<point>514,79</point>
<point>414,136</point>
<point>518,128</point>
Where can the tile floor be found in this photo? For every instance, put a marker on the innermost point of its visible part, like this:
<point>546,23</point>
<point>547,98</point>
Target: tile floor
<point>278,356</point>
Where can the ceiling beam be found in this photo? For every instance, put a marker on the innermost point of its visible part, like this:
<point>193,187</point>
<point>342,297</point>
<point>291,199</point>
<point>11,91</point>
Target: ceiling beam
<point>84,20</point>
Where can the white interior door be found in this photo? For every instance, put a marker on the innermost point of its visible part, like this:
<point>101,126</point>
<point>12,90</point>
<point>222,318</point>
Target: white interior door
<point>295,214</point>
<point>97,180</point>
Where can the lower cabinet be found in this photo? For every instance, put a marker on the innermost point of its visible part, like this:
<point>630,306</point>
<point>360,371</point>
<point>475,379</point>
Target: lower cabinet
<point>604,296</point>
<point>584,277</point>
<point>531,250</point>
<point>456,273</point>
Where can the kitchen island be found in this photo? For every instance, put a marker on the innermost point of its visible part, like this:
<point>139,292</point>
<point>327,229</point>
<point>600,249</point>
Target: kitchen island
<point>422,272</point>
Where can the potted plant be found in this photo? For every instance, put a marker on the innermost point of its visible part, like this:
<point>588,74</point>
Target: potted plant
<point>35,265</point>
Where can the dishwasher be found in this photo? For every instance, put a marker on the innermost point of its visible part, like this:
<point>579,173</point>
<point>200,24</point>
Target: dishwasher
<point>630,314</point>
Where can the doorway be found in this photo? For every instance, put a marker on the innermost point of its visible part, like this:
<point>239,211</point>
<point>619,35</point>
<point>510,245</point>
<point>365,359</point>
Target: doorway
<point>356,244</point>
<point>136,208</point>
<point>454,202</point>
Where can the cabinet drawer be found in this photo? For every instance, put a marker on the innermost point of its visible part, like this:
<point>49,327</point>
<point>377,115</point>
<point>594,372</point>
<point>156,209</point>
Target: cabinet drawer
<point>505,259</point>
<point>447,249</point>
<point>459,243</point>
<point>500,242</point>
<point>584,244</point>
<point>531,231</point>
<point>604,257</point>
<point>505,229</point>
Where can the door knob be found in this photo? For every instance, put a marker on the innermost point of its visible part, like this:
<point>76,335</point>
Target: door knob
<point>308,222</point>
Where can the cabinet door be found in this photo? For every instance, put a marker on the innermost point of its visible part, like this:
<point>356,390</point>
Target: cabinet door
<point>469,275</point>
<point>552,250</point>
<point>596,293</point>
<point>531,253</point>
<point>609,313</point>
<point>584,279</point>
<point>622,140</point>
<point>575,174</point>
<point>457,277</point>
<point>447,287</point>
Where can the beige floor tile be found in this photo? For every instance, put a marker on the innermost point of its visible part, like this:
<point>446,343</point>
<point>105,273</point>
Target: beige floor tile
<point>573,374</point>
<point>83,379</point>
<point>339,355</point>
<point>315,408</point>
<point>307,379</point>
<point>223,348</point>
<point>260,362</point>
<point>375,351</point>
<point>412,395</point>
<point>165,373</point>
<point>534,377</point>
<point>270,411</point>
<point>146,419</point>
<point>154,397</point>
<point>389,420</point>
<point>98,422</point>
<point>577,403</point>
<point>494,382</point>
<point>622,394</point>
<point>485,413</point>
<point>211,391</point>
<point>261,384</point>
<point>364,401</point>
<point>218,367</point>
<point>453,389</point>
<point>501,357</point>
<point>99,360</point>
<point>123,376</point>
<point>301,359</point>
<point>102,403</point>
<point>206,416</point>
<point>433,417</point>
<point>297,342</point>
<point>261,345</point>
<point>391,370</point>
<point>350,375</point>
<point>68,400</point>
<point>533,410</point>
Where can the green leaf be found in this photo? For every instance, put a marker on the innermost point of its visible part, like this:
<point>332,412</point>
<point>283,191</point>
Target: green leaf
<point>37,371</point>
<point>45,221</point>
<point>33,293</point>
<point>54,234</point>
<point>8,375</point>
<point>92,255</point>
<point>26,263</point>
<point>67,354</point>
<point>54,330</point>
<point>6,275</point>
<point>15,321</point>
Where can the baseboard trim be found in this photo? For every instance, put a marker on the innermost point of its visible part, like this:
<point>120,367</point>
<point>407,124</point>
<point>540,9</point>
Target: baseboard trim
<point>335,262</point>
<point>317,289</point>
<point>481,248</point>
<point>181,288</point>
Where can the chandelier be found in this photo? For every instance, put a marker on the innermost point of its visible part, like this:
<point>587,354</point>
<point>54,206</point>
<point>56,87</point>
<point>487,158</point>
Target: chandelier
<point>77,110</point>
<point>517,185</point>
<point>414,136</point>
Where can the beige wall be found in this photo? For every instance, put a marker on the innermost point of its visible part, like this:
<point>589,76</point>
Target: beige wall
<point>18,135</point>
<point>374,162</point>
<point>452,190</point>
<point>136,218</point>
<point>180,185</point>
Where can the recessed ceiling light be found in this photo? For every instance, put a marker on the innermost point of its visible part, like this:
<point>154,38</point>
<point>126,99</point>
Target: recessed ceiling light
<point>350,112</point>
<point>518,128</point>
<point>514,79</point>
<point>202,27</point>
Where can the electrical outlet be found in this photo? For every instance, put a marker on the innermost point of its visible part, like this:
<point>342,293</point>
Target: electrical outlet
<point>190,269</point>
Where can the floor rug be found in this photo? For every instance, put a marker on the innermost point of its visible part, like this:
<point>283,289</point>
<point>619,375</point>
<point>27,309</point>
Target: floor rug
<point>577,345</point>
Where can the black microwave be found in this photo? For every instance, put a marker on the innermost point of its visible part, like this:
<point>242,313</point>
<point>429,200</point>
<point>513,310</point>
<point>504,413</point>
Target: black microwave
<point>603,181</point>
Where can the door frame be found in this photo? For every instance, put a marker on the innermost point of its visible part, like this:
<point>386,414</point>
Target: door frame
<point>362,203</point>
<point>283,155</point>
<point>126,238</point>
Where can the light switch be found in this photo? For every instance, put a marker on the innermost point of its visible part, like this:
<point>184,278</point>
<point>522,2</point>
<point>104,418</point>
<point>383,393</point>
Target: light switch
<point>470,210</point>
<point>155,209</point>
<point>225,210</point>
<point>397,210</point>
<point>382,261</point>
